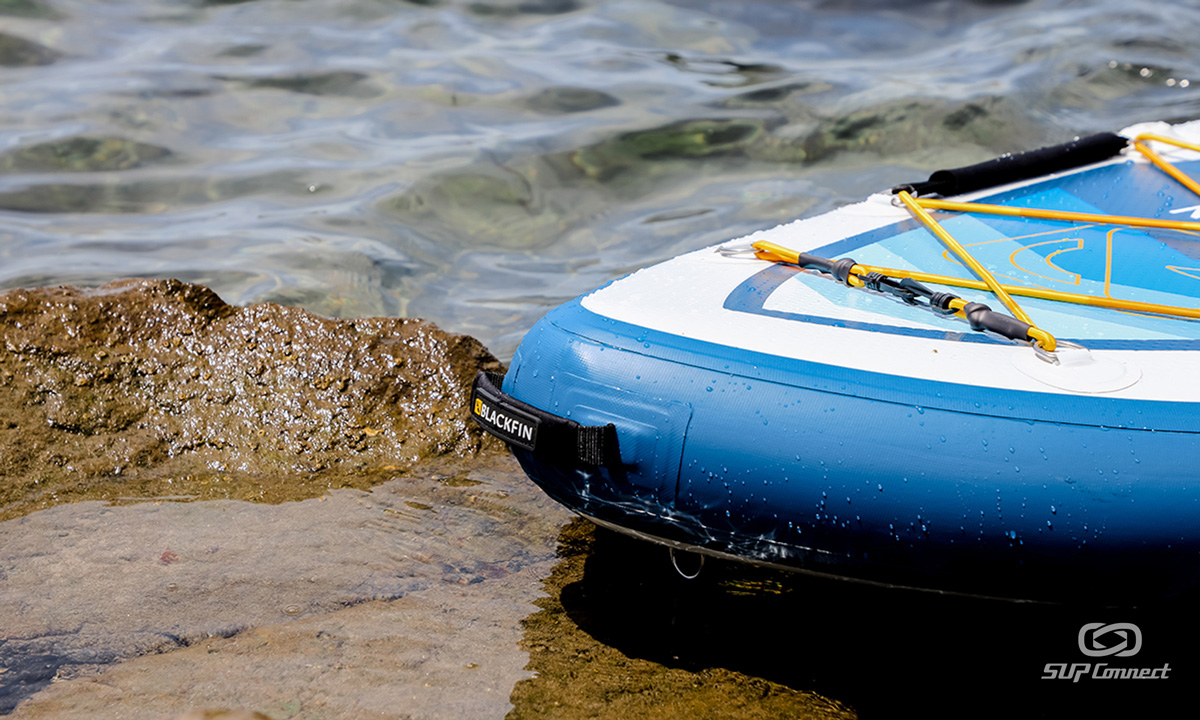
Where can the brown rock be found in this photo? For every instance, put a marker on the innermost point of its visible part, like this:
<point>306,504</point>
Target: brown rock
<point>152,388</point>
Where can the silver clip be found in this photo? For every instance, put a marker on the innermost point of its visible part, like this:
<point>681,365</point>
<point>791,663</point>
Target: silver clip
<point>736,251</point>
<point>1052,357</point>
<point>1043,354</point>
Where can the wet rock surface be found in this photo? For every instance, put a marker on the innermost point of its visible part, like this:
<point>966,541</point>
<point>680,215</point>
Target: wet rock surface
<point>404,601</point>
<point>158,388</point>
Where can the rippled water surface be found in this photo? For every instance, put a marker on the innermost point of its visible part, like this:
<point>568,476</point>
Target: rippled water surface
<point>476,163</point>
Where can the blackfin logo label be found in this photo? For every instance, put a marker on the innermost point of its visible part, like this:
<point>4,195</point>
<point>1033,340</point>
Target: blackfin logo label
<point>505,422</point>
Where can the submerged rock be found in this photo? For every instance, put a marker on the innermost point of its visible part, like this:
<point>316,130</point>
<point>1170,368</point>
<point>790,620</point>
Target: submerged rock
<point>19,52</point>
<point>688,139</point>
<point>907,127</point>
<point>563,100</point>
<point>83,154</point>
<point>591,661</point>
<point>35,9</point>
<point>153,388</point>
<point>342,606</point>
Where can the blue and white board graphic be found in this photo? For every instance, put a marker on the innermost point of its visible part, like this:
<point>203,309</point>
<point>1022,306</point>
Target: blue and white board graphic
<point>1121,262</point>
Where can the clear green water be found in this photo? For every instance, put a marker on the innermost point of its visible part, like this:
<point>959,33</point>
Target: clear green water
<point>476,163</point>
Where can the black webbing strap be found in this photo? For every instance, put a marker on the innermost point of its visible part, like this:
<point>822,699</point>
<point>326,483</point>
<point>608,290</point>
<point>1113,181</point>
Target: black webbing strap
<point>525,426</point>
<point>1022,166</point>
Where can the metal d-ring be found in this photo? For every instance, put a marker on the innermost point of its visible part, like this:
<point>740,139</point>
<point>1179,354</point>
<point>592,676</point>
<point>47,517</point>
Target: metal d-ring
<point>1052,357</point>
<point>682,574</point>
<point>1046,356</point>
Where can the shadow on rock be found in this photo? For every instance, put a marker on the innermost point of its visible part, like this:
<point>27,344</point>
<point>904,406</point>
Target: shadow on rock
<point>621,627</point>
<point>611,641</point>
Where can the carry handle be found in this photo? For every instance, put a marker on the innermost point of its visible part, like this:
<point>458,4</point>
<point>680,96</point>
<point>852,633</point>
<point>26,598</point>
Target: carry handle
<point>1021,166</point>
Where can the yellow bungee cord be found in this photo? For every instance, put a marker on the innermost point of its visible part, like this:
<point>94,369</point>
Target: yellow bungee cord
<point>858,275</point>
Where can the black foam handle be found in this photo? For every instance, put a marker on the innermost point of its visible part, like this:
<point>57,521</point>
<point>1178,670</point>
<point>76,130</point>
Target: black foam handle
<point>1021,166</point>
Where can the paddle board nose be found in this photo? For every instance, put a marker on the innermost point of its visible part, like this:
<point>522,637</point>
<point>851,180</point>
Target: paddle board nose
<point>580,380</point>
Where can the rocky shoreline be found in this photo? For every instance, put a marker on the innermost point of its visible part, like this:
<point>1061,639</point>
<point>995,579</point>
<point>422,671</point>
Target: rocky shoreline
<point>207,507</point>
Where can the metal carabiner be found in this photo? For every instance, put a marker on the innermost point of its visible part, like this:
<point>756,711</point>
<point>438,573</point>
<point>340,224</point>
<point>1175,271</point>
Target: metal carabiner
<point>735,251</point>
<point>1046,356</point>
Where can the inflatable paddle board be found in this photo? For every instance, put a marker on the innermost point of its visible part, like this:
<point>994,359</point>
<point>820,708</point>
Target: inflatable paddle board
<point>986,382</point>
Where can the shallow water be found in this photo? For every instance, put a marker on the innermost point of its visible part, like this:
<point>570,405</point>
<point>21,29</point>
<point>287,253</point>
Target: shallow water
<point>459,555</point>
<point>476,163</point>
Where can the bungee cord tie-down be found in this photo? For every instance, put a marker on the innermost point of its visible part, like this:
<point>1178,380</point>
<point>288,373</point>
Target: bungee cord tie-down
<point>908,286</point>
